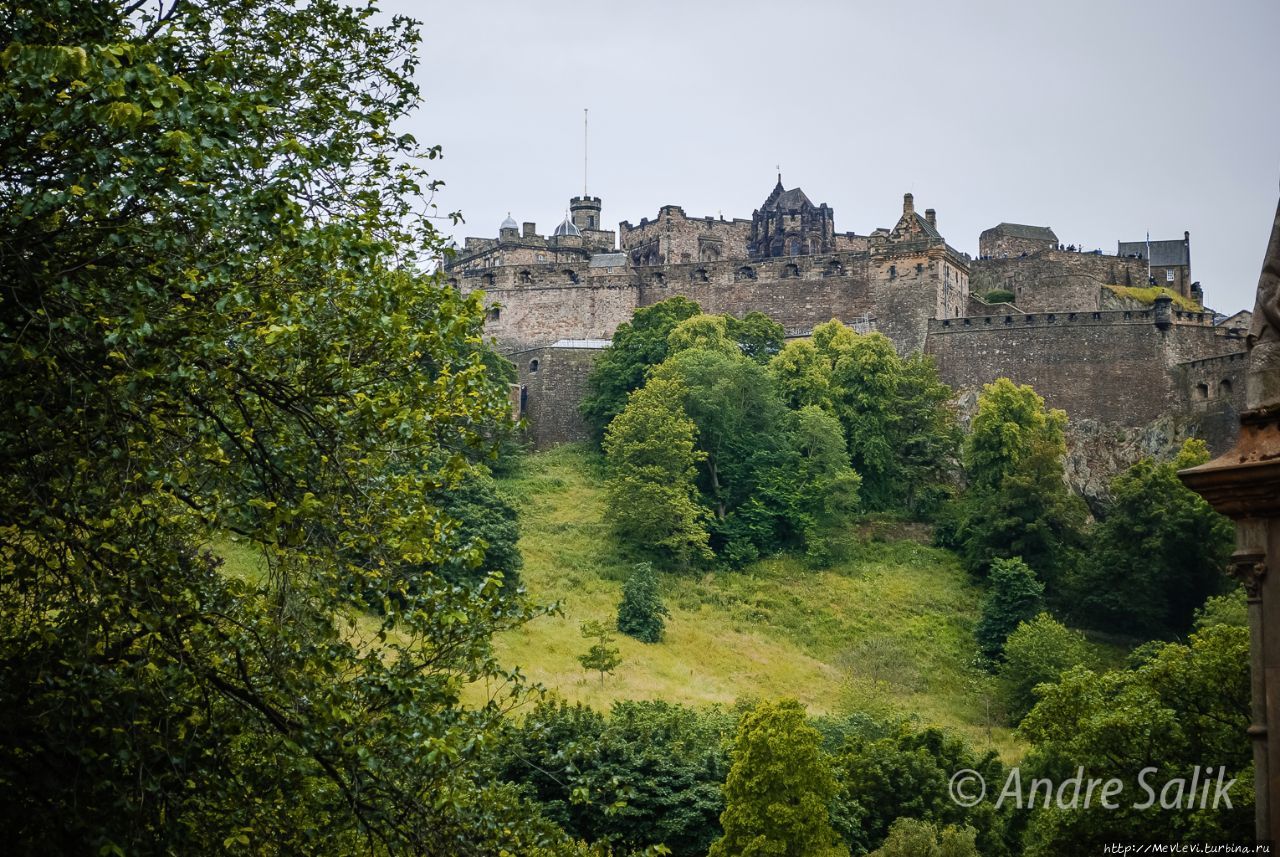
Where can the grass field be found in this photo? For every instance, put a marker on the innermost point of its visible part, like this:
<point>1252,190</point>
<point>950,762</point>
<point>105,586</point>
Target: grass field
<point>890,629</point>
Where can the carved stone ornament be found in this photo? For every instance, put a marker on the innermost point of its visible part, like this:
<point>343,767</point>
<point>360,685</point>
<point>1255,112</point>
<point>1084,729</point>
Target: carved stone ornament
<point>1263,388</point>
<point>1249,569</point>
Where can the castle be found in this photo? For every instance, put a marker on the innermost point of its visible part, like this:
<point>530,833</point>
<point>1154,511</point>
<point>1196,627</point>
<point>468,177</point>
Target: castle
<point>1074,325</point>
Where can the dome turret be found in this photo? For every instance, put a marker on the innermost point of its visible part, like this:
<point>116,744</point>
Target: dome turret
<point>567,227</point>
<point>509,223</point>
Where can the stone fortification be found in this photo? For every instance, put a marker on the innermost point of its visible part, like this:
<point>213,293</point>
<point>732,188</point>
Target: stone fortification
<point>1108,361</point>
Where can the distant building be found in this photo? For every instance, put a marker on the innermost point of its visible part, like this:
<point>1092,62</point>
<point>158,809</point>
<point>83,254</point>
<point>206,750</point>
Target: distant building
<point>1012,240</point>
<point>1170,263</point>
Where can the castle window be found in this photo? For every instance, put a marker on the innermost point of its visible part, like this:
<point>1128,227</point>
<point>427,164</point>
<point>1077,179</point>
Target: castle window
<point>489,279</point>
<point>919,267</point>
<point>834,269</point>
<point>526,277</point>
<point>659,279</point>
<point>542,257</point>
<point>591,221</point>
<point>1224,388</point>
<point>698,275</point>
<point>571,276</point>
<point>1202,391</point>
<point>746,272</point>
<point>533,365</point>
<point>494,313</point>
<point>1168,275</point>
<point>790,271</point>
<point>893,271</point>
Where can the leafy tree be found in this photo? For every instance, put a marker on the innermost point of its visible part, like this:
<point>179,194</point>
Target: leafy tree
<point>1019,503</point>
<point>641,611</point>
<point>213,323</point>
<point>747,471</point>
<point>652,460</point>
<point>900,432</point>
<point>650,773</point>
<point>1179,707</point>
<point>707,332</point>
<point>1014,597</point>
<point>1229,609</point>
<point>907,772</point>
<point>1037,653</point>
<point>778,789</point>
<point>636,346</point>
<point>758,336</point>
<point>909,837</point>
<point>603,657</point>
<point>824,489</point>
<point>1158,553</point>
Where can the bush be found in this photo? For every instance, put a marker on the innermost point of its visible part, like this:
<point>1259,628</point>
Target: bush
<point>1037,653</point>
<point>1015,597</point>
<point>1000,296</point>
<point>641,611</point>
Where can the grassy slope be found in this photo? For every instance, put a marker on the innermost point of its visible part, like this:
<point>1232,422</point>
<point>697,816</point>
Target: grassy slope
<point>890,628</point>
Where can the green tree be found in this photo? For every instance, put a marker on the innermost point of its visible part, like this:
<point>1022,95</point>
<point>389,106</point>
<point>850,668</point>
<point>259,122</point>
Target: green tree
<point>652,461</point>
<point>1037,653</point>
<point>212,323</point>
<point>603,656</point>
<point>1019,503</point>
<point>1157,555</point>
<point>650,773</point>
<point>778,788</point>
<point>1014,596</point>
<point>758,336</point>
<point>621,368</point>
<point>707,332</point>
<point>909,837</point>
<point>641,610</point>
<point>1179,708</point>
<point>747,472</point>
<point>907,772</point>
<point>900,432</point>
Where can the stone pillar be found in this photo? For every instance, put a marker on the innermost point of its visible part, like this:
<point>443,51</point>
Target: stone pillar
<point>1244,484</point>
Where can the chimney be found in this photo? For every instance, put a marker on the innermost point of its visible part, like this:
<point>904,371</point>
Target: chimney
<point>530,229</point>
<point>931,217</point>
<point>908,203</point>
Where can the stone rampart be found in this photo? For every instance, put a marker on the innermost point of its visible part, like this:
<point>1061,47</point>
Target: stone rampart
<point>1056,280</point>
<point>553,381</point>
<point>1115,367</point>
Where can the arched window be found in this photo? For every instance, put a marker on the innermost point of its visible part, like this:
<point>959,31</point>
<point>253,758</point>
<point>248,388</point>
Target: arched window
<point>1224,388</point>
<point>526,277</point>
<point>494,313</point>
<point>746,272</point>
<point>833,269</point>
<point>789,271</point>
<point>1202,391</point>
<point>698,275</point>
<point>533,365</point>
<point>571,276</point>
<point>489,279</point>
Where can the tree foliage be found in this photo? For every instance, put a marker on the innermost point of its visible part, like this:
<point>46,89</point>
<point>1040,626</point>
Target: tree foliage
<point>899,430</point>
<point>636,346</point>
<point>1157,555</point>
<point>650,773</point>
<point>779,787</point>
<point>1015,596</point>
<point>1018,502</point>
<point>602,657</point>
<point>212,323</point>
<point>906,773</point>
<point>652,464</point>
<point>909,837</point>
<point>641,610</point>
<point>1037,653</point>
<point>1182,706</point>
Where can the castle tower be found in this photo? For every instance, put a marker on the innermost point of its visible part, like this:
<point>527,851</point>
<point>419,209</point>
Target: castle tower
<point>585,211</point>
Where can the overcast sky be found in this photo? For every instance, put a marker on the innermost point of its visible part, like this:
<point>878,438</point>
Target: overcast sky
<point>1103,120</point>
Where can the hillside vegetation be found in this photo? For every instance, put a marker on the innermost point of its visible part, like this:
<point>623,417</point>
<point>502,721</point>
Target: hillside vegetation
<point>890,628</point>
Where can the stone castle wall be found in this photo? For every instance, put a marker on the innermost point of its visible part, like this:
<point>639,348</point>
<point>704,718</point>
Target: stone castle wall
<point>673,238</point>
<point>554,382</point>
<point>1056,280</point>
<point>1116,367</point>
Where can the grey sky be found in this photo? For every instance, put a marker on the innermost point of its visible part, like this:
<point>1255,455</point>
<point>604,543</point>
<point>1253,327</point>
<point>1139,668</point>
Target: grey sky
<point>1101,119</point>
